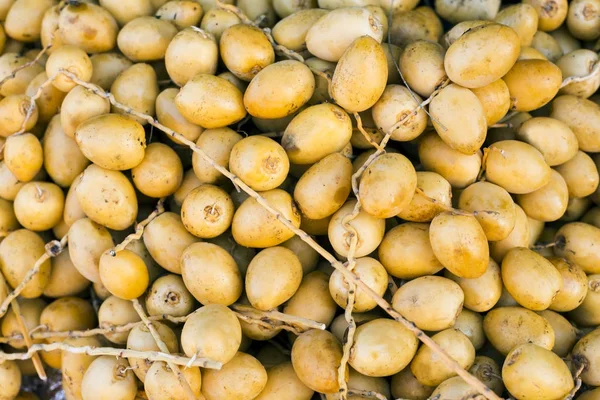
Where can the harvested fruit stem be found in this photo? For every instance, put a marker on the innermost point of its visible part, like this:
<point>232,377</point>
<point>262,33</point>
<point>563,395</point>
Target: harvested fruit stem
<point>42,333</point>
<point>32,105</point>
<point>576,79</point>
<point>363,132</point>
<point>53,249</point>
<point>139,228</point>
<point>266,319</point>
<point>349,336</point>
<point>290,320</point>
<point>26,65</point>
<point>37,362</point>
<point>159,342</point>
<point>350,276</point>
<point>367,394</point>
<point>577,378</point>
<point>109,351</point>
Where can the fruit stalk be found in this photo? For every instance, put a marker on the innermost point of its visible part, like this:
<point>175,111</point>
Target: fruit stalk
<point>109,351</point>
<point>159,342</point>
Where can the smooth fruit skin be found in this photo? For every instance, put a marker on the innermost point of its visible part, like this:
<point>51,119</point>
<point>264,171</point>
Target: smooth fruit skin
<point>508,327</point>
<point>211,274</point>
<point>124,275</point>
<point>214,332</point>
<point>382,347</point>
<point>530,278</point>
<point>106,378</point>
<point>273,276</point>
<point>210,102</point>
<point>360,76</point>
<point>532,372</point>
<point>388,185</point>
<point>459,118</point>
<point>431,302</point>
<point>472,259</point>
<point>298,81</point>
<point>316,357</point>
<point>517,167</point>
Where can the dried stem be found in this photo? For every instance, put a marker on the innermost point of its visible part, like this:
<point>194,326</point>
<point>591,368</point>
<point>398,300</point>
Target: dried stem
<point>576,79</point>
<point>236,11</point>
<point>53,248</point>
<point>163,347</point>
<point>285,319</point>
<point>575,389</point>
<point>363,132</point>
<point>542,246</point>
<point>139,228</point>
<point>37,362</point>
<point>366,393</point>
<point>577,386</point>
<point>348,340</point>
<point>250,320</point>
<point>451,209</point>
<point>32,104</point>
<point>109,351</point>
<point>350,276</point>
<point>402,121</point>
<point>481,173</point>
<point>41,332</point>
<point>13,74</point>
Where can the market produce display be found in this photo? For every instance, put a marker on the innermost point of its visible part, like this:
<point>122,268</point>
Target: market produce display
<point>299,199</point>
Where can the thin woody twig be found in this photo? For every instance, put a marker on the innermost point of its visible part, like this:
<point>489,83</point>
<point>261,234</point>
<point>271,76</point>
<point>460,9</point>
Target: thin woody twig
<point>250,320</point>
<point>359,125</point>
<point>348,341</point>
<point>32,105</point>
<point>42,333</point>
<point>13,74</point>
<point>451,209</point>
<point>541,246</point>
<point>278,316</point>
<point>37,362</point>
<point>268,323</point>
<point>395,61</point>
<point>366,393</point>
<point>163,347</point>
<point>139,228</point>
<point>298,326</point>
<point>576,377</point>
<point>109,351</point>
<point>53,249</point>
<point>576,79</point>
